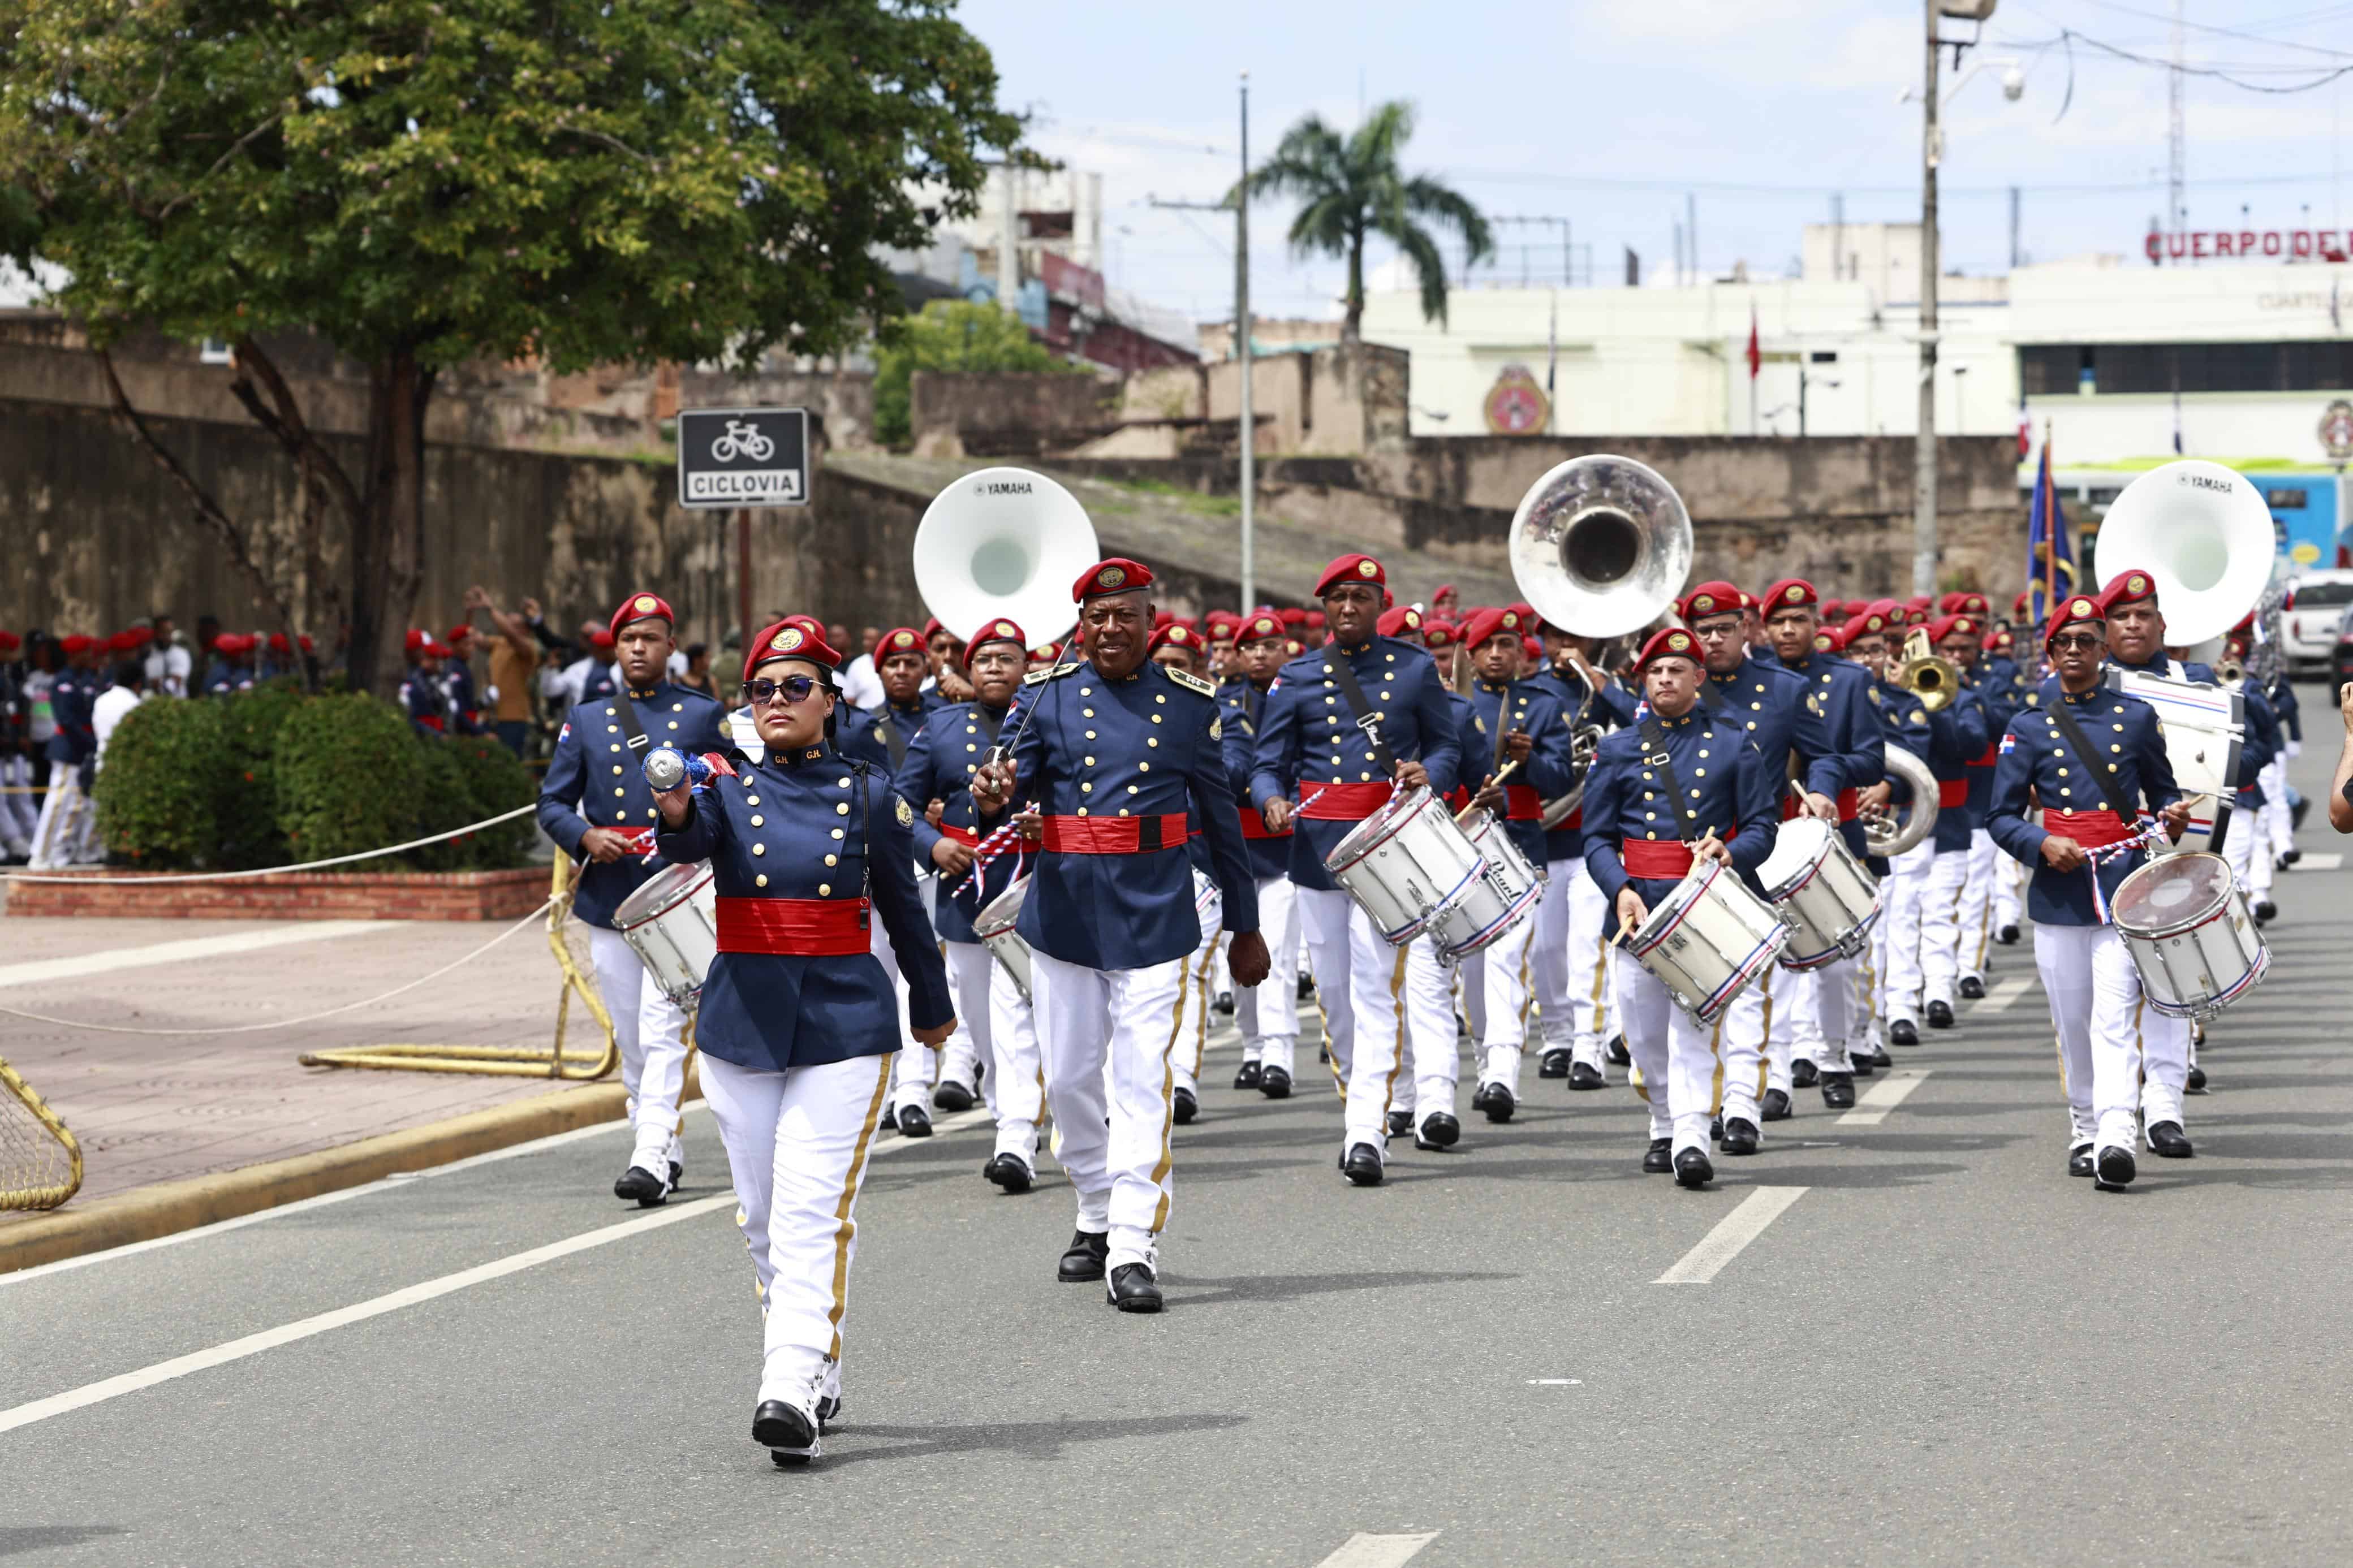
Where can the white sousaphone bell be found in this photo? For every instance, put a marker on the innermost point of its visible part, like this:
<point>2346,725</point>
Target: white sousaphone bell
<point>1003,542</point>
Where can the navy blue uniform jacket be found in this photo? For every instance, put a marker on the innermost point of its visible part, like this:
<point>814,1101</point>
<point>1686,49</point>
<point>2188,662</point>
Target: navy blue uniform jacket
<point>594,780</point>
<point>815,826</point>
<point>2039,765</point>
<point>939,763</point>
<point>1536,712</point>
<point>1727,781</point>
<point>1244,704</point>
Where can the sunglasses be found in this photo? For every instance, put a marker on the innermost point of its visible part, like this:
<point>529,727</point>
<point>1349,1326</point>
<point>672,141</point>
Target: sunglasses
<point>791,687</point>
<point>2069,642</point>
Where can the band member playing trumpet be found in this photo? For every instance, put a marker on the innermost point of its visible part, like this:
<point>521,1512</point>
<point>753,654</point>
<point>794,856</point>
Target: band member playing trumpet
<point>1685,784</point>
<point>1958,735</point>
<point>2089,756</point>
<point>1347,725</point>
<point>1266,1014</point>
<point>1568,960</point>
<point>797,1023</point>
<point>1115,753</point>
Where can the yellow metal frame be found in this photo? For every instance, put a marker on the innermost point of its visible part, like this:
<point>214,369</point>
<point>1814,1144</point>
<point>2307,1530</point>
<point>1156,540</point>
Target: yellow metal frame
<point>507,1061</point>
<point>40,1197</point>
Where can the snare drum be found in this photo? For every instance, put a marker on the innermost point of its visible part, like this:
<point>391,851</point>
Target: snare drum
<point>1507,889</point>
<point>1709,939</point>
<point>673,923</point>
<point>1405,864</point>
<point>2184,920</point>
<point>994,926</point>
<point>1825,895</point>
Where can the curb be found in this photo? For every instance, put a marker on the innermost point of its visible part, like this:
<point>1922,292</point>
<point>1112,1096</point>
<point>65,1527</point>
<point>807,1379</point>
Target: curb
<point>146,1212</point>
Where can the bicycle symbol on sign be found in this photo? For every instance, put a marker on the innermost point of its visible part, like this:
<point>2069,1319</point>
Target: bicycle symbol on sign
<point>744,438</point>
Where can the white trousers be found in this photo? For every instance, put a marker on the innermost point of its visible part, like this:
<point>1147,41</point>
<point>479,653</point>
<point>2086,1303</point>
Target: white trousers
<point>1741,1036</point>
<point>1428,1087</point>
<point>1826,1005</point>
<point>1940,925</point>
<point>2248,849</point>
<point>66,831</point>
<point>1359,979</point>
<point>1112,1128</point>
<point>1017,1071</point>
<point>1268,1015</point>
<point>1676,1070</point>
<point>1976,922</point>
<point>969,971</point>
<point>2277,818</point>
<point>1495,1006</point>
<point>1571,964</point>
<point>2008,892</point>
<point>797,1143</point>
<point>20,819</point>
<point>2097,1010</point>
<point>1210,908</point>
<point>918,1067</point>
<point>1900,965</point>
<point>650,1030</point>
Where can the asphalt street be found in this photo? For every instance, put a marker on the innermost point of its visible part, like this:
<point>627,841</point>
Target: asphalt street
<point>1903,1336</point>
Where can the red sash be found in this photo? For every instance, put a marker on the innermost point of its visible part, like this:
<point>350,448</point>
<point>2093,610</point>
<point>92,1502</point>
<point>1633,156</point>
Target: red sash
<point>1521,804</point>
<point>964,836</point>
<point>797,928</point>
<point>2092,829</point>
<point>1254,825</point>
<point>1112,834</point>
<point>1344,802</point>
<point>1846,806</point>
<point>1952,791</point>
<point>1656,859</point>
<point>1990,758</point>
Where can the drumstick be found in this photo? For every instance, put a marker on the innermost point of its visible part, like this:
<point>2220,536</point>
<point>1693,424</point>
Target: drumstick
<point>1463,816</point>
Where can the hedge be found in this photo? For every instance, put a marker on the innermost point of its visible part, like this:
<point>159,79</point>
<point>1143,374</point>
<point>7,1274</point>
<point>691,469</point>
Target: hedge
<point>159,794</point>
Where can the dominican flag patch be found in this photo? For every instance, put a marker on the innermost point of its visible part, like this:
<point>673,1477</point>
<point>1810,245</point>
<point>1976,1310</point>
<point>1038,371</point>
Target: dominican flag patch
<point>2008,742</point>
<point>564,734</point>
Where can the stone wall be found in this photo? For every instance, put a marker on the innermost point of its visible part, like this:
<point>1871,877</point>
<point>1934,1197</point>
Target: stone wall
<point>1007,414</point>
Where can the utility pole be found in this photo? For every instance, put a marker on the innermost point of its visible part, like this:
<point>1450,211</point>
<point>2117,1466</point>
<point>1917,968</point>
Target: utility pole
<point>2014,252</point>
<point>1690,234</point>
<point>1009,252</point>
<point>1242,346</point>
<point>2177,135</point>
<point>1924,451</point>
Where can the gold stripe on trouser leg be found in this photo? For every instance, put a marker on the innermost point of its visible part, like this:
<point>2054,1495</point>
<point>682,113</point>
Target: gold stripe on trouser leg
<point>1528,994</point>
<point>843,1229</point>
<point>1601,992</point>
<point>2059,1049</point>
<point>1169,1109</point>
<point>1396,1000</point>
<point>1715,1050</point>
<point>2140,1052</point>
<point>1764,1050</point>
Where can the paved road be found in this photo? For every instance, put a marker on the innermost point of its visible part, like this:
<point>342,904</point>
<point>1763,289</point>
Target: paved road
<point>1942,1350</point>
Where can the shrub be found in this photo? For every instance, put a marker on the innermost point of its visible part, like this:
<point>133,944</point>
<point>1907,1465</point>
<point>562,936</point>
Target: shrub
<point>956,336</point>
<point>443,802</point>
<point>497,782</point>
<point>250,723</point>
<point>159,794</point>
<point>350,776</point>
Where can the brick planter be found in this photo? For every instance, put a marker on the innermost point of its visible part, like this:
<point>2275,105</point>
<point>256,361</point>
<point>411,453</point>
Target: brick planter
<point>295,896</point>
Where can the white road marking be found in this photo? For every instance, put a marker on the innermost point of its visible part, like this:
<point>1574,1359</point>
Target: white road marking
<point>98,1393</point>
<point>1999,999</point>
<point>1362,1551</point>
<point>1555,1382</point>
<point>1733,1233</point>
<point>1883,1097</point>
<point>2323,860</point>
<point>272,934</point>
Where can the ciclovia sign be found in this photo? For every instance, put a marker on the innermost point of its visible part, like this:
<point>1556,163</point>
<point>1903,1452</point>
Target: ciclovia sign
<point>743,457</point>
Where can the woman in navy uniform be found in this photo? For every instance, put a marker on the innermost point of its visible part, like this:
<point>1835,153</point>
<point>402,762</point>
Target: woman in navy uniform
<point>797,1023</point>
<point>594,802</point>
<point>1113,755</point>
<point>1640,842</point>
<point>2087,973</point>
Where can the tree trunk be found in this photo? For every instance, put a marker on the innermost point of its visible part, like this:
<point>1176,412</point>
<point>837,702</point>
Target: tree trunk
<point>1352,324</point>
<point>389,538</point>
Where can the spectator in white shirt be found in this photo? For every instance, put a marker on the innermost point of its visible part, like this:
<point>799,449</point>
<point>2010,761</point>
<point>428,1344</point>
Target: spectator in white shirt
<point>130,678</point>
<point>169,665</point>
<point>862,685</point>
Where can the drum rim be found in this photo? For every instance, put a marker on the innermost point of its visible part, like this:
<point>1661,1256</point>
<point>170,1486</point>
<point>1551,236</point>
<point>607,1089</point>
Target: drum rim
<point>1019,885</point>
<point>693,885</point>
<point>1634,943</point>
<point>1438,911</point>
<point>2206,1007</point>
<point>2206,914</point>
<point>1482,939</point>
<point>1387,823</point>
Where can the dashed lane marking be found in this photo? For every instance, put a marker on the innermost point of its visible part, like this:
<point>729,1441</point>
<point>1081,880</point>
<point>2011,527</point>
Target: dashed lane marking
<point>1362,1551</point>
<point>1731,1236</point>
<point>2003,995</point>
<point>46,969</point>
<point>2323,860</point>
<point>1883,1097</point>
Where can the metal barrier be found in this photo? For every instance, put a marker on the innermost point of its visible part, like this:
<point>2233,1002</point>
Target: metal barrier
<point>40,1159</point>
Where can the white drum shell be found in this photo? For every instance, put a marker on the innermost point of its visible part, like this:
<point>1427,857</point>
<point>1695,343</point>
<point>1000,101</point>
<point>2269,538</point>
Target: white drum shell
<point>2184,921</point>
<point>1405,864</point>
<point>673,923</point>
<point>2204,727</point>
<point>1708,941</point>
<point>1508,888</point>
<point>1826,897</point>
<point>994,926</point>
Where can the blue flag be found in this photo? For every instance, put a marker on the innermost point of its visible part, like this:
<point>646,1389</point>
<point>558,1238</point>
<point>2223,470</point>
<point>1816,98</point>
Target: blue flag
<point>2050,569</point>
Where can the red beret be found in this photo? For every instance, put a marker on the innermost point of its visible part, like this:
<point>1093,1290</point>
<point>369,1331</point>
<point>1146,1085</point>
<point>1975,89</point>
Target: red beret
<point>1351,569</point>
<point>1438,633</point>
<point>1667,641</point>
<point>460,632</point>
<point>601,639</point>
<point>2132,588</point>
<point>1918,602</point>
<point>1948,603</point>
<point>432,650</point>
<point>898,639</point>
<point>641,607</point>
<point>303,642</point>
<point>1887,610</point>
<point>1526,612</point>
<point>416,640</point>
<point>1176,635</point>
<point>795,636</point>
<point>1115,575</point>
<point>1869,624</point>
<point>1942,628</point>
<point>2017,605</point>
<point>1052,653</point>
<point>1292,617</point>
<point>2074,609</point>
<point>10,642</point>
<point>1829,639</point>
<point>278,643</point>
<point>1445,590</point>
<point>1530,648</point>
<point>1709,599</point>
<point>1833,609</point>
<point>1970,604</point>
<point>1791,593</point>
<point>141,636</point>
<point>1259,627</point>
<point>1398,622</point>
<point>998,630</point>
<point>2000,642</point>
<point>1485,624</point>
<point>75,643</point>
<point>932,629</point>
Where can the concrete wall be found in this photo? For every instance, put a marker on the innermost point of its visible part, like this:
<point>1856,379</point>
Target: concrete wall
<point>1325,402</point>
<point>1011,414</point>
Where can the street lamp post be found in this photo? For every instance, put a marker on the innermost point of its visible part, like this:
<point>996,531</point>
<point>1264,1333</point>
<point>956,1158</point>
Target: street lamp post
<point>1243,352</point>
<point>1924,449</point>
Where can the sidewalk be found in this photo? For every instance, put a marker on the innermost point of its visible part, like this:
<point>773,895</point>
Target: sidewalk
<point>150,1109</point>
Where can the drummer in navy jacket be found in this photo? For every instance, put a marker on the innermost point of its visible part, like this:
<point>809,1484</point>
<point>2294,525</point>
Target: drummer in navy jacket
<point>1266,1014</point>
<point>1179,647</point>
<point>2081,853</point>
<point>797,1023</point>
<point>1111,756</point>
<point>595,804</point>
<point>1639,844</point>
<point>1569,962</point>
<point>1312,736</point>
<point>995,1025</point>
<point>883,735</point>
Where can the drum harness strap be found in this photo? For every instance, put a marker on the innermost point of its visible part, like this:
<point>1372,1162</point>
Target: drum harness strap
<point>2112,788</point>
<point>1339,669</point>
<point>1655,738</point>
<point>633,734</point>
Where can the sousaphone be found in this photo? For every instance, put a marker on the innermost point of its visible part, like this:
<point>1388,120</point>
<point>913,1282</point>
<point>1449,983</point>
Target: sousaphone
<point>1003,542</point>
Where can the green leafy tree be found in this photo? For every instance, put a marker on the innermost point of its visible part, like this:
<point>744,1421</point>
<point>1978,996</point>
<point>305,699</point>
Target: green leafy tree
<point>953,336</point>
<point>420,183</point>
<point>1351,187</point>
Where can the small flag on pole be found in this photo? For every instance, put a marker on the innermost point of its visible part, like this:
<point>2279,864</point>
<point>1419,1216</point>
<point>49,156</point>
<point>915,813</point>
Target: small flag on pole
<point>1756,350</point>
<point>2047,554</point>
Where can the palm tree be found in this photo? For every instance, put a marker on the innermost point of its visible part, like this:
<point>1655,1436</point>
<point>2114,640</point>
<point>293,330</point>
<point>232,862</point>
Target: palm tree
<point>1351,187</point>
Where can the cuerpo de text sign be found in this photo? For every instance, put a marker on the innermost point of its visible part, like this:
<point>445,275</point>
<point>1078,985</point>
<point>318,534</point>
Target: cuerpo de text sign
<point>2273,244</point>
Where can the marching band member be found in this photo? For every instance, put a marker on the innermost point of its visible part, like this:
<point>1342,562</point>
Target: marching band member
<point>1686,784</point>
<point>1348,724</point>
<point>593,801</point>
<point>2011,689</point>
<point>1997,693</point>
<point>1177,646</point>
<point>1902,722</point>
<point>2247,847</point>
<point>1922,898</point>
<point>1823,1006</point>
<point>1266,1014</point>
<point>1570,961</point>
<point>1116,751</point>
<point>994,1023</point>
<point>2088,842</point>
<point>1960,736</point>
<point>797,1023</point>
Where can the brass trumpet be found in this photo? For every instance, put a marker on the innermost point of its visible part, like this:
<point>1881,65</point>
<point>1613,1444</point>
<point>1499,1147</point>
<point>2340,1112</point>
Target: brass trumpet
<point>1928,675</point>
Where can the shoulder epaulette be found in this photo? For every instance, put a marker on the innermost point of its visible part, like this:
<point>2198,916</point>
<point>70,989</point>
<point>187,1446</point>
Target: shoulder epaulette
<point>1188,680</point>
<point>1037,677</point>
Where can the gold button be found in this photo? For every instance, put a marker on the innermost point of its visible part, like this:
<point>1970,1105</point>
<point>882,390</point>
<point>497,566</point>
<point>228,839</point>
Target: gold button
<point>845,783</point>
<point>617,770</point>
<point>1703,752</point>
<point>1131,789</point>
<point>613,747</point>
<point>760,880</point>
<point>842,809</point>
<point>1144,767</point>
<point>837,833</point>
<point>1091,734</point>
<point>1086,691</point>
<point>621,815</point>
<point>1361,778</point>
<point>759,849</point>
<point>1122,811</point>
<point>1649,836</point>
<point>619,793</point>
<point>678,706</point>
<point>751,800</point>
<point>825,889</point>
<point>1154,740</point>
<point>1090,761</point>
<point>1086,789</point>
<point>969,745</point>
<point>1087,712</point>
<point>1650,816</point>
<point>673,723</point>
<point>831,859</point>
<point>1161,697</point>
<point>1082,811</point>
<point>757,821</point>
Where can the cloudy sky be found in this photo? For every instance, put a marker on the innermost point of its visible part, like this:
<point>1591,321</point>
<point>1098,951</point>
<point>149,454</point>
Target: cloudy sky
<point>1605,112</point>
